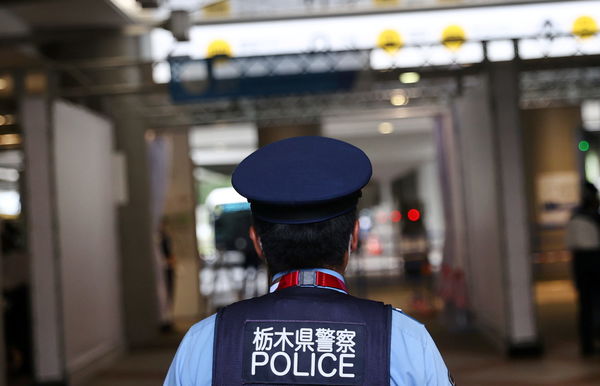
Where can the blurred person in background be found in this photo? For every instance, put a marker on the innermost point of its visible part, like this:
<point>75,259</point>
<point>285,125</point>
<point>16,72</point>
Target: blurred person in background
<point>583,239</point>
<point>303,193</point>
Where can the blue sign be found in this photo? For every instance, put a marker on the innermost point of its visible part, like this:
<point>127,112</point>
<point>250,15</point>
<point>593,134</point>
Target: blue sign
<point>253,77</point>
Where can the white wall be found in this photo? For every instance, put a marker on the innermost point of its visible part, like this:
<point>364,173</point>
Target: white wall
<point>90,277</point>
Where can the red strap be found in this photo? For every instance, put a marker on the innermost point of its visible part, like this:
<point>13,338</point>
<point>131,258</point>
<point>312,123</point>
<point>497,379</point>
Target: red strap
<point>322,279</point>
<point>327,280</point>
<point>289,280</point>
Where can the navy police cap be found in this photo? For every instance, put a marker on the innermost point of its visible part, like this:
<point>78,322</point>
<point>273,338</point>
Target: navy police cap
<point>302,179</point>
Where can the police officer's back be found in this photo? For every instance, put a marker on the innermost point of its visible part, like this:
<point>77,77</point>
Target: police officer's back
<point>308,330</point>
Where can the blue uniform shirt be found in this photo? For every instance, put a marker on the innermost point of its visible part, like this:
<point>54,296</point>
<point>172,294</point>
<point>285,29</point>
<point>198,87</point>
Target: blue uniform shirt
<point>414,358</point>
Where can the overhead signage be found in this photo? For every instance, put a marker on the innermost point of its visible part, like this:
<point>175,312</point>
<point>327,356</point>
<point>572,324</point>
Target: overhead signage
<point>416,28</point>
<point>203,79</point>
<point>544,29</point>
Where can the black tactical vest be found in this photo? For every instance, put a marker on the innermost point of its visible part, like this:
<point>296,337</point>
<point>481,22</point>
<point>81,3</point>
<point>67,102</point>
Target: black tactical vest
<point>303,336</point>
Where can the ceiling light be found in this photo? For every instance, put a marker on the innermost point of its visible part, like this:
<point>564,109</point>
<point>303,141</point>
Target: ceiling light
<point>6,84</point>
<point>399,100</point>
<point>385,128</point>
<point>410,77</point>
<point>7,119</point>
<point>10,139</point>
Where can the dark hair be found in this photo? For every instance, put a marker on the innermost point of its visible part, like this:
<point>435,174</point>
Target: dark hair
<point>296,246</point>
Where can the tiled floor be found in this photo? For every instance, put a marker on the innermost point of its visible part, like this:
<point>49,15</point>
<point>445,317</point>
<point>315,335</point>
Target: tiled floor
<point>472,360</point>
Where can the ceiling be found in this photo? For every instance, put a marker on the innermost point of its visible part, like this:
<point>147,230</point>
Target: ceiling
<point>66,14</point>
<point>24,23</point>
<point>394,154</point>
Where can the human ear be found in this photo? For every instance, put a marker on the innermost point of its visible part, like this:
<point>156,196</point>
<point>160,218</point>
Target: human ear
<point>354,236</point>
<point>256,242</point>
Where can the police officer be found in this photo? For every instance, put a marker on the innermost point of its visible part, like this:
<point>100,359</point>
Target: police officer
<point>303,193</point>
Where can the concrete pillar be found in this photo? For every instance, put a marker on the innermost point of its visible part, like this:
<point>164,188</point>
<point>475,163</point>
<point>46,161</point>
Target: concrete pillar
<point>498,254</point>
<point>181,226</point>
<point>140,298</point>
<point>2,341</point>
<point>269,134</point>
<point>516,248</point>
<point>39,205</point>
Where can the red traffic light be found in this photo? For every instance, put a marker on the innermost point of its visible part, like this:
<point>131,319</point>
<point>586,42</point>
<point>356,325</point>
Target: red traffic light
<point>396,216</point>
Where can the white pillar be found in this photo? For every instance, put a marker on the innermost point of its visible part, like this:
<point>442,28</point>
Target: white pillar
<point>2,343</point>
<point>498,262</point>
<point>180,213</point>
<point>522,331</point>
<point>41,216</point>
<point>138,270</point>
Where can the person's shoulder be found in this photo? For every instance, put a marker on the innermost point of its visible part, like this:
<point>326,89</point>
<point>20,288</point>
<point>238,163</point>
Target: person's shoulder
<point>407,326</point>
<point>414,357</point>
<point>202,331</point>
<point>198,341</point>
<point>202,327</point>
<point>193,360</point>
